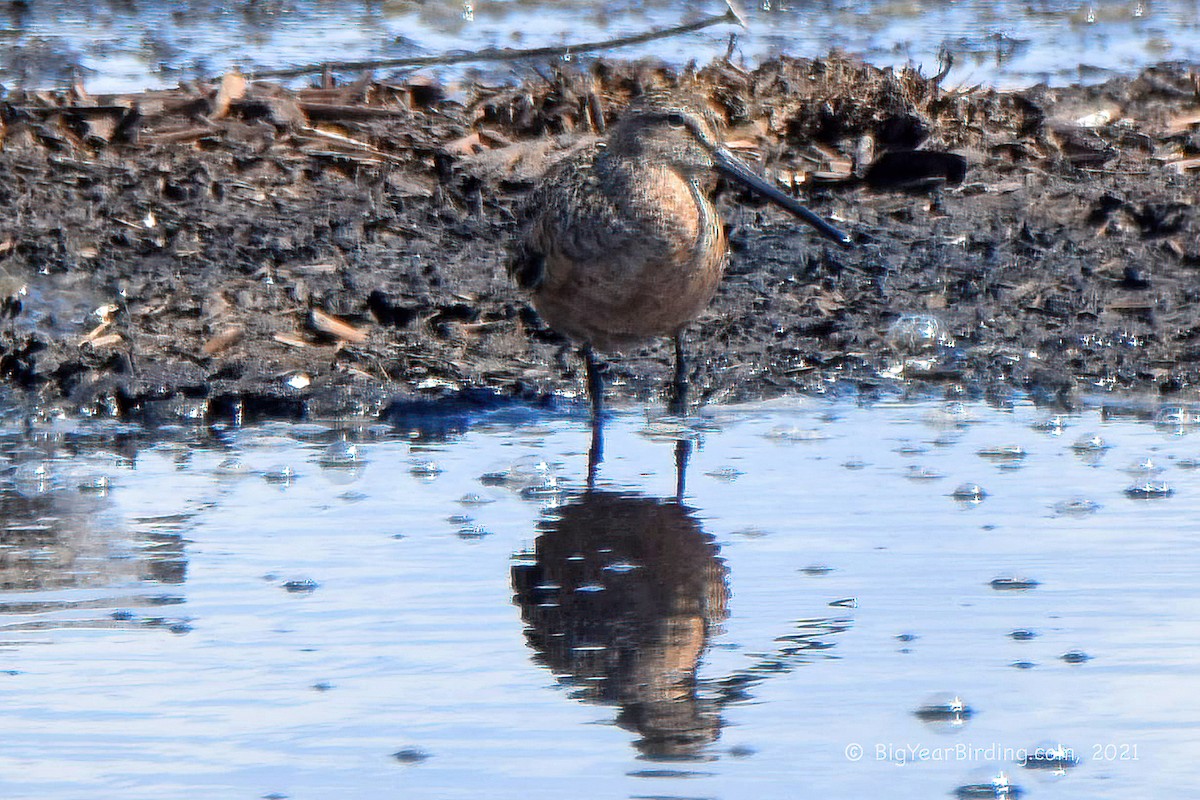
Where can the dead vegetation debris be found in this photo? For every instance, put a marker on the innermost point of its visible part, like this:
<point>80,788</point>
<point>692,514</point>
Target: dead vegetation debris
<point>191,252</point>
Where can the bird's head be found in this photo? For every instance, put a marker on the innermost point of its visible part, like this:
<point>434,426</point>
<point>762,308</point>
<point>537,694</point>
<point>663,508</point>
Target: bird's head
<point>671,134</point>
<point>683,137</point>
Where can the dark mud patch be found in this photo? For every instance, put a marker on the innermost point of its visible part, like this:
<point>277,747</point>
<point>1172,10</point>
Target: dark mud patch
<point>242,250</point>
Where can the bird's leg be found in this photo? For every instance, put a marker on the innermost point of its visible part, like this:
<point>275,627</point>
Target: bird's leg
<point>683,451</point>
<point>679,400</point>
<point>596,451</point>
<point>595,387</point>
<point>595,381</point>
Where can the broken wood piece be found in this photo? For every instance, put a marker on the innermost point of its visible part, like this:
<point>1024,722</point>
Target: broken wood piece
<point>178,137</point>
<point>331,111</point>
<point>313,269</point>
<point>476,142</point>
<point>233,87</point>
<point>100,130</point>
<point>337,328</point>
<point>291,340</point>
<point>467,145</point>
<point>340,138</point>
<point>1183,122</point>
<point>1131,305</point>
<point>343,156</point>
<point>364,151</point>
<point>95,332</point>
<point>223,340</point>
<point>504,53</point>
<point>108,340</point>
<point>1185,164</point>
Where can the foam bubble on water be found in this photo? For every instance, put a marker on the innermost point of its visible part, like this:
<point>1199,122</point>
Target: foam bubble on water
<point>34,478</point>
<point>1177,419</point>
<point>521,472</point>
<point>971,493</point>
<point>991,782</point>
<point>917,333</point>
<point>1144,467</point>
<point>954,414</point>
<point>473,532</point>
<point>98,485</point>
<point>788,433</point>
<point>1149,490</point>
<point>1090,443</point>
<point>341,455</point>
<point>425,469</point>
<point>280,475</point>
<point>1076,507</point>
<point>727,474</point>
<point>1013,583</point>
<point>1075,657</point>
<point>919,473</point>
<point>945,711</point>
<point>551,488</point>
<point>1053,425</point>
<point>1002,452</point>
<point>232,467</point>
<point>1049,757</point>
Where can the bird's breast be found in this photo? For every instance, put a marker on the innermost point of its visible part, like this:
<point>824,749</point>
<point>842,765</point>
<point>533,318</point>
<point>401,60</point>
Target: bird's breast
<point>642,268</point>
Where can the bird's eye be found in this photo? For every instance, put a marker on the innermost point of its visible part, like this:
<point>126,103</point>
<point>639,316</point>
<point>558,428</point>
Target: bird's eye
<point>675,119</point>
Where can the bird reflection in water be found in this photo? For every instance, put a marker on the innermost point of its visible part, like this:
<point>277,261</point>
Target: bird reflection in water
<point>620,598</point>
<point>621,595</point>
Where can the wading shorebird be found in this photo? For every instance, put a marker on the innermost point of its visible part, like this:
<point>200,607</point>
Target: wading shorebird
<point>624,243</point>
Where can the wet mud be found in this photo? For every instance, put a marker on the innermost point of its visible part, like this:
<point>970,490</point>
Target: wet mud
<point>241,249</point>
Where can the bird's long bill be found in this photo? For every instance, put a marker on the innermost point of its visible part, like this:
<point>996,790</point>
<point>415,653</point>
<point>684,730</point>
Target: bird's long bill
<point>735,168</point>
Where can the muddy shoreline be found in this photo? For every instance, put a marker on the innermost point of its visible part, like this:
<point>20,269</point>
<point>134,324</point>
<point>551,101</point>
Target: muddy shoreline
<point>240,250</point>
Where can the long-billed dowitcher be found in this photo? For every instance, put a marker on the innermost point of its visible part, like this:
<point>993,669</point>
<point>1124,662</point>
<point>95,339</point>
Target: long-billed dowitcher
<point>624,243</point>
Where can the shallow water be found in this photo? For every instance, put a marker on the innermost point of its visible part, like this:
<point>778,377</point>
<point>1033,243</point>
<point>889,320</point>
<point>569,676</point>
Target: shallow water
<point>125,46</point>
<point>327,610</point>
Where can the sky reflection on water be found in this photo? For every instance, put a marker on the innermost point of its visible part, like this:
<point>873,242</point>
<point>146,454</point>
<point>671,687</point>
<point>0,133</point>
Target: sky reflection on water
<point>342,610</point>
<point>126,47</point>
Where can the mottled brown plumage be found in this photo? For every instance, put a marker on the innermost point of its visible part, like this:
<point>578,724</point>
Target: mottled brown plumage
<point>624,243</point>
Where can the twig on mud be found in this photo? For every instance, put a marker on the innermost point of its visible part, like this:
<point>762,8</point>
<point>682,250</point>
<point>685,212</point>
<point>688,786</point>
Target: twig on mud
<point>337,328</point>
<point>291,340</point>
<point>340,112</point>
<point>946,62</point>
<point>732,45</point>
<point>188,135</point>
<point>358,145</point>
<point>1185,164</point>
<point>506,53</point>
